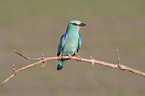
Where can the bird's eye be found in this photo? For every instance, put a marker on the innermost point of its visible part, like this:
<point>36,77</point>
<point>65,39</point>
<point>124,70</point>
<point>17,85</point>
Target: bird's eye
<point>74,24</point>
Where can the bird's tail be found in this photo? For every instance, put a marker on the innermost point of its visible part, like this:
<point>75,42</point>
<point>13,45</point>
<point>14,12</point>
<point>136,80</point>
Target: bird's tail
<point>60,64</point>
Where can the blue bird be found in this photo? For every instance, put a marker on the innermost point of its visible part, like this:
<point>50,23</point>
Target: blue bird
<point>70,42</point>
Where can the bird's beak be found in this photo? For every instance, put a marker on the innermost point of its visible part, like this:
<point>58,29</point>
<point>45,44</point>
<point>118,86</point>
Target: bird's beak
<point>82,25</point>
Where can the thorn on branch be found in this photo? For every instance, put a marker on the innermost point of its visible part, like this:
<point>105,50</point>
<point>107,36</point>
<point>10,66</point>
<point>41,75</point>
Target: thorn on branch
<point>14,69</point>
<point>42,58</point>
<point>92,62</point>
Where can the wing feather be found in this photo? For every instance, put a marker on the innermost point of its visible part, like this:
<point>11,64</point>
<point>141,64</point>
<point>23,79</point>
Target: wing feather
<point>79,43</point>
<point>61,43</point>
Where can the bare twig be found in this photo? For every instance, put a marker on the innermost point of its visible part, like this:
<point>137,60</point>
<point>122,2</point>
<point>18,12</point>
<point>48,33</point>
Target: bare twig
<point>92,61</point>
<point>118,58</point>
<point>27,58</point>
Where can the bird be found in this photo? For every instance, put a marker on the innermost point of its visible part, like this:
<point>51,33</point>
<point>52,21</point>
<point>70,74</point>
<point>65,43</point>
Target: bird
<point>70,42</point>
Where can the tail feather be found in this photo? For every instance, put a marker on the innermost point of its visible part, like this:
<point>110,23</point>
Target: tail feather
<point>61,64</point>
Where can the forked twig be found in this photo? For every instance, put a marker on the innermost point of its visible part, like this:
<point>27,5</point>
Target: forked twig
<point>92,61</point>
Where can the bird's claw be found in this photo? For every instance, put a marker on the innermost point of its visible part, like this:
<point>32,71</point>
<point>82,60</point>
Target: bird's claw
<point>60,56</point>
<point>78,57</point>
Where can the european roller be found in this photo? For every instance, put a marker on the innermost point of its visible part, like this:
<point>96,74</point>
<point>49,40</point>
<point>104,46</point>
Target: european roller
<point>70,42</point>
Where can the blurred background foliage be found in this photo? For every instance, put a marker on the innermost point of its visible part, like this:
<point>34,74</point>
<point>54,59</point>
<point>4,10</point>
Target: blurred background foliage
<point>34,27</point>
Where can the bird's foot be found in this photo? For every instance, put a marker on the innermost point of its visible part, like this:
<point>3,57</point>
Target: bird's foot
<point>69,55</point>
<point>60,56</point>
<point>78,57</point>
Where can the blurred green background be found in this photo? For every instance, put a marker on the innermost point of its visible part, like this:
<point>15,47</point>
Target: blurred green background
<point>33,27</point>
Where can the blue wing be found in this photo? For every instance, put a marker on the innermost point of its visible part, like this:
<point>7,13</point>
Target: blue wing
<point>79,43</point>
<point>61,43</point>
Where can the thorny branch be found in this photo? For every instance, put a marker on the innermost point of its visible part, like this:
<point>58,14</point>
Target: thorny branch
<point>92,61</point>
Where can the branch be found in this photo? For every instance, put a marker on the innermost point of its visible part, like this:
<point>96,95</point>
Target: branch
<point>92,61</point>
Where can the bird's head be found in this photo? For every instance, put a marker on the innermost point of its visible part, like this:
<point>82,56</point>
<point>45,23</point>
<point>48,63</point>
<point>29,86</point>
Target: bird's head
<point>74,26</point>
<point>76,23</point>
